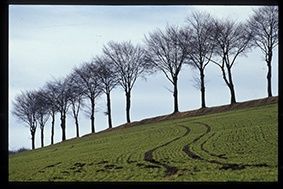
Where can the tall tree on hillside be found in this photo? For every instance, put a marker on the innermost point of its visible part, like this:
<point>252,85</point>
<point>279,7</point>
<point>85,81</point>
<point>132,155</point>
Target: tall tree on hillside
<point>129,64</point>
<point>50,99</point>
<point>109,80</point>
<point>201,46</point>
<point>232,39</point>
<point>86,76</point>
<point>167,51</point>
<point>42,111</point>
<point>25,110</point>
<point>62,100</point>
<point>76,99</point>
<point>264,25</point>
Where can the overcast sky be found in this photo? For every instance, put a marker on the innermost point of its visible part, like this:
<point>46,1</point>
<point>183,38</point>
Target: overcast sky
<point>47,42</point>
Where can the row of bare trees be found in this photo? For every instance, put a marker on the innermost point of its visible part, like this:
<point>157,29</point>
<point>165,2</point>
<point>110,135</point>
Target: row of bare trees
<point>202,41</point>
<point>121,64</point>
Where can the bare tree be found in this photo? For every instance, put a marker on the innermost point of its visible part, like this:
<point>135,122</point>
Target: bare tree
<point>129,64</point>
<point>109,80</point>
<point>86,76</point>
<point>264,25</point>
<point>232,39</point>
<point>62,97</point>
<point>25,110</point>
<point>50,99</point>
<point>167,51</point>
<point>76,99</point>
<point>201,46</point>
<point>42,111</point>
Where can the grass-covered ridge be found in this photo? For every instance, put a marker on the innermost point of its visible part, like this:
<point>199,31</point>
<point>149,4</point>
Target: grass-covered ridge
<point>237,145</point>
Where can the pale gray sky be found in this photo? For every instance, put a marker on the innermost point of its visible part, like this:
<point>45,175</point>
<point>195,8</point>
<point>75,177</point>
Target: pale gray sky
<point>47,42</point>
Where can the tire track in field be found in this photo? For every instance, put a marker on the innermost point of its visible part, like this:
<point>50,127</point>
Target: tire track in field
<point>169,170</point>
<point>42,170</point>
<point>225,166</point>
<point>222,156</point>
<point>129,161</point>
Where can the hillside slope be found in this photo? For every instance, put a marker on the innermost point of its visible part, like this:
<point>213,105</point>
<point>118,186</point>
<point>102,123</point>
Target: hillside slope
<point>210,110</point>
<point>237,145</point>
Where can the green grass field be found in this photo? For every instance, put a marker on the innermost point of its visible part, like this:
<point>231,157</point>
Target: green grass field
<point>239,145</point>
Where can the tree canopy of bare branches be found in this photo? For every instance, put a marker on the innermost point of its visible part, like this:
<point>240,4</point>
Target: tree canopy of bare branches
<point>76,99</point>
<point>264,26</point>
<point>109,80</point>
<point>167,51</point>
<point>61,93</point>
<point>42,111</point>
<point>87,78</point>
<point>232,39</point>
<point>50,100</point>
<point>129,64</point>
<point>200,27</point>
<point>25,110</point>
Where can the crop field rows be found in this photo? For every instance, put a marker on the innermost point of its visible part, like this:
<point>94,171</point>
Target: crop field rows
<point>233,146</point>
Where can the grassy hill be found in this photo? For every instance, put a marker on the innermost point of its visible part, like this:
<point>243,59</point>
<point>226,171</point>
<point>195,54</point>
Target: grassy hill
<point>228,143</point>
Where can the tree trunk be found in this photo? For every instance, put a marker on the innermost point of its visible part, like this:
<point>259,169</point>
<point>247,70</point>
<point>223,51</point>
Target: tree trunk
<point>32,140</point>
<point>42,130</point>
<point>92,115</point>
<point>269,91</point>
<point>231,87</point>
<point>76,119</point>
<point>63,125</point>
<point>52,127</point>
<point>202,89</point>
<point>42,136</point>
<point>233,97</point>
<point>175,95</point>
<point>77,126</point>
<point>109,110</point>
<point>128,105</point>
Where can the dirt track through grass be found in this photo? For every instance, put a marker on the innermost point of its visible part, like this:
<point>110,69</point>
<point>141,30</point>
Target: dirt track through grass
<point>225,166</point>
<point>221,156</point>
<point>169,170</point>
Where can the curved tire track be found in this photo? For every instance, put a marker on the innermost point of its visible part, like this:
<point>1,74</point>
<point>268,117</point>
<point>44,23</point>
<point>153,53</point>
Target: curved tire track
<point>169,170</point>
<point>221,156</point>
<point>225,166</point>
